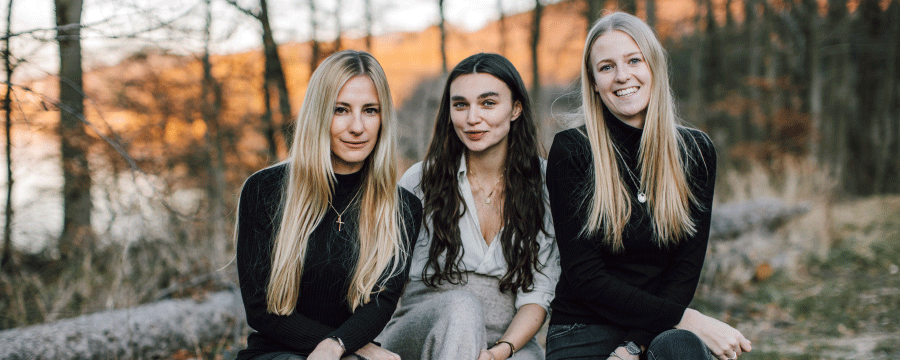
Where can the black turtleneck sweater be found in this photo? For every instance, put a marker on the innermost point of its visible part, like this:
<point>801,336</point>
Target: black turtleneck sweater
<point>322,309</point>
<point>644,289</point>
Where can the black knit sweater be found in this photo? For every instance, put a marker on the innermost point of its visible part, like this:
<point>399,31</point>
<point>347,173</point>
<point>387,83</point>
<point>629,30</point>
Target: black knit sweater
<point>644,289</point>
<point>322,309</point>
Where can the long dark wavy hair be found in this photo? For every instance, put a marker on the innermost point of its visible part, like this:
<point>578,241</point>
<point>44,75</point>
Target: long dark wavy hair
<point>523,210</point>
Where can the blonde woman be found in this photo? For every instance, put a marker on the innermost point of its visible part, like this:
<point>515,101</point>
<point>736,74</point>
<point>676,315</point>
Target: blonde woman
<point>323,238</point>
<point>631,194</point>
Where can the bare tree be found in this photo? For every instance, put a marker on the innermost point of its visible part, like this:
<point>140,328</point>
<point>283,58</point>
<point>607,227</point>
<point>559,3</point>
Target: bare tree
<point>6,260</point>
<point>502,24</point>
<point>212,102</point>
<point>338,26</point>
<point>629,6</point>
<point>651,13</point>
<point>314,41</point>
<point>77,235</point>
<point>592,11</point>
<point>369,14</point>
<point>273,81</point>
<point>443,28</point>
<point>535,41</point>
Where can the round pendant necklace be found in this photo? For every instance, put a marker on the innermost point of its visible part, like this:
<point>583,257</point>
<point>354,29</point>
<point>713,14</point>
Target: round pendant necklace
<point>641,195</point>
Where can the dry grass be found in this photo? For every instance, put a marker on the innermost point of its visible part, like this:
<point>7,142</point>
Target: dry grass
<point>839,295</point>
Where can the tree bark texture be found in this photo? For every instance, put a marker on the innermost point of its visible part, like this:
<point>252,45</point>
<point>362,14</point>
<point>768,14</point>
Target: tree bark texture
<point>77,234</point>
<point>443,29</point>
<point>6,259</point>
<point>274,83</point>
<point>535,42</point>
<point>152,331</point>
<point>215,187</point>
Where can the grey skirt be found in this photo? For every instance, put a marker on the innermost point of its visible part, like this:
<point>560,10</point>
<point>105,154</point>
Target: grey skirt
<point>452,322</point>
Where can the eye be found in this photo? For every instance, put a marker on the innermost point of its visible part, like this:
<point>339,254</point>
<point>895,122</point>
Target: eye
<point>340,110</point>
<point>604,68</point>
<point>459,105</point>
<point>634,60</point>
<point>489,103</point>
<point>372,110</point>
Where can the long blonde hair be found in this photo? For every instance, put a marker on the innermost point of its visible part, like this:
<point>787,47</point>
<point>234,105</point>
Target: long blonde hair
<point>662,173</point>
<point>310,180</point>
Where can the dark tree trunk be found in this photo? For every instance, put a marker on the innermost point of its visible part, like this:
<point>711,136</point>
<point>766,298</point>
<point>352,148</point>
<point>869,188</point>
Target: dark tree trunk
<point>369,16</point>
<point>314,41</point>
<point>502,27</point>
<point>592,11</point>
<point>535,42</point>
<point>651,13</point>
<point>6,261</point>
<point>215,189</point>
<point>443,28</point>
<point>629,6</point>
<point>77,235</point>
<point>274,83</point>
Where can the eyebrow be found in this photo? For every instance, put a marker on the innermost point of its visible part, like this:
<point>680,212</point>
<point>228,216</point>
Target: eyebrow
<point>482,96</point>
<point>364,105</point>
<point>626,55</point>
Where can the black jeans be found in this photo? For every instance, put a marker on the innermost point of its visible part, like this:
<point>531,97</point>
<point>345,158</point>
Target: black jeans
<point>587,341</point>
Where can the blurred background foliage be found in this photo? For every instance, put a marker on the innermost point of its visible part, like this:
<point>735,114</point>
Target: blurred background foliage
<point>801,98</point>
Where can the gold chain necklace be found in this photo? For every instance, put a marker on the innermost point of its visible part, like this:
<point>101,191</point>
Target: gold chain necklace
<point>340,214</point>
<point>487,200</point>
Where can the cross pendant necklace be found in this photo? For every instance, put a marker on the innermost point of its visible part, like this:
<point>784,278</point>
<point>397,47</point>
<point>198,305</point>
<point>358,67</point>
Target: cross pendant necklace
<point>339,220</point>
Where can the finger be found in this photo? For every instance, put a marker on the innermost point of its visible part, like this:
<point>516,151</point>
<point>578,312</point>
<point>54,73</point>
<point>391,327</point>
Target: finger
<point>746,346</point>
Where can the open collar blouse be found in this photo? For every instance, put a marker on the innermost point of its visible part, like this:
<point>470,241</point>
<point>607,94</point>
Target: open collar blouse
<point>480,257</point>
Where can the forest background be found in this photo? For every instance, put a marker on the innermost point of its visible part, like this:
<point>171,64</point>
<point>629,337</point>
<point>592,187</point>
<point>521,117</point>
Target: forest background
<point>122,175</point>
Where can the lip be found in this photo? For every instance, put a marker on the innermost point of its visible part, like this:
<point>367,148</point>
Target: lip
<point>355,144</point>
<point>475,135</point>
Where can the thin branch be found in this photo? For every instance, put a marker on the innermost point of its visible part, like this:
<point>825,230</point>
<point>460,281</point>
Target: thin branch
<point>243,10</point>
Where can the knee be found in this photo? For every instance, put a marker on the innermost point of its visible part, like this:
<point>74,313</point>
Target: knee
<point>460,306</point>
<point>677,344</point>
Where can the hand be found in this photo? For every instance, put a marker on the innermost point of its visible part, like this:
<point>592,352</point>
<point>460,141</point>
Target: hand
<point>724,341</point>
<point>486,355</point>
<point>623,354</point>
<point>328,349</point>
<point>375,352</point>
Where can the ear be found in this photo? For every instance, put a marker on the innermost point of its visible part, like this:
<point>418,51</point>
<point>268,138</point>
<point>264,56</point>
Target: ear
<point>517,110</point>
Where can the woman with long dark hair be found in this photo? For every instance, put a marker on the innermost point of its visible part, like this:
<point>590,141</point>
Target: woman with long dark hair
<point>631,196</point>
<point>323,238</point>
<point>485,264</point>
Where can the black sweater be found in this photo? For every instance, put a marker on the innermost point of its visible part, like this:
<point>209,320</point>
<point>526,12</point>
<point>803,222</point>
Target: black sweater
<point>645,288</point>
<point>322,309</point>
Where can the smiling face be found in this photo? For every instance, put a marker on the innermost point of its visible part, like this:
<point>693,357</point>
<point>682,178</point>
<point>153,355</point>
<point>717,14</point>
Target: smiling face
<point>622,77</point>
<point>481,110</point>
<point>354,125</point>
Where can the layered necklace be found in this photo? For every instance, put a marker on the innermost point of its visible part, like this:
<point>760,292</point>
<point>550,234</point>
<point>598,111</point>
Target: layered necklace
<point>641,195</point>
<point>487,199</point>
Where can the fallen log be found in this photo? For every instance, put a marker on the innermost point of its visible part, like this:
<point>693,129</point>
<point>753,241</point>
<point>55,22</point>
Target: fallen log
<point>150,331</point>
<point>732,220</point>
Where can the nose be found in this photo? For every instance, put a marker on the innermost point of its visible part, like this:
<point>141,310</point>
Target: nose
<point>473,118</point>
<point>622,74</point>
<point>356,126</point>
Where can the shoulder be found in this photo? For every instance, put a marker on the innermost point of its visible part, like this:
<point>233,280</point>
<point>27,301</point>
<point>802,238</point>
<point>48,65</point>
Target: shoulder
<point>265,182</point>
<point>570,148</point>
<point>697,142</point>
<point>412,178</point>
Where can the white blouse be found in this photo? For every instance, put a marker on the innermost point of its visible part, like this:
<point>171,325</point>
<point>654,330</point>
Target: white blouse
<point>478,255</point>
